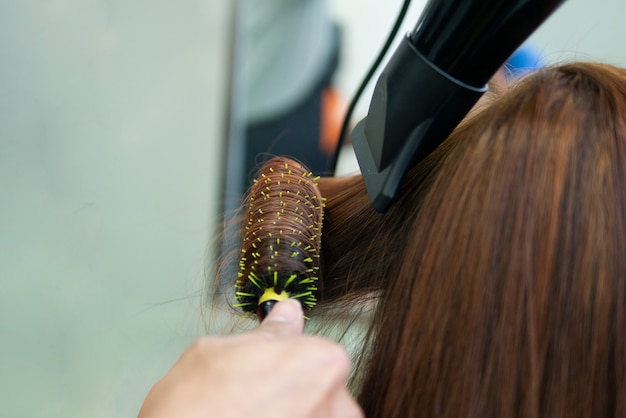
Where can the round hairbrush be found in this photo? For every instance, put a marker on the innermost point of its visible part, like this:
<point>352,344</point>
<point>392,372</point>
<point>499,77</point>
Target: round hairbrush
<point>281,240</point>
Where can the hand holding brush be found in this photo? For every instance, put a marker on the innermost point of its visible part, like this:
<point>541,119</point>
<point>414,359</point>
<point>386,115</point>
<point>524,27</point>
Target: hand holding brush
<point>260,373</point>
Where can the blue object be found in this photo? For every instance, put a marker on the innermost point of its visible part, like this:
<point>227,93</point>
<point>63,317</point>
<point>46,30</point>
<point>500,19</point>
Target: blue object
<point>523,61</point>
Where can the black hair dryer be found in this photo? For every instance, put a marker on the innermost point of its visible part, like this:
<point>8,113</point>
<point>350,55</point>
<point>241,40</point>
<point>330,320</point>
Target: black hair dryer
<point>433,79</point>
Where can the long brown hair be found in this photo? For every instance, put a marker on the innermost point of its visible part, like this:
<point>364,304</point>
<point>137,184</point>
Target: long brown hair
<point>499,275</point>
<point>501,270</point>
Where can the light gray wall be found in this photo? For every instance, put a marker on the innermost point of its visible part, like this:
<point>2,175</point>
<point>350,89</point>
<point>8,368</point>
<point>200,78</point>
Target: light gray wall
<point>111,122</point>
<point>582,30</point>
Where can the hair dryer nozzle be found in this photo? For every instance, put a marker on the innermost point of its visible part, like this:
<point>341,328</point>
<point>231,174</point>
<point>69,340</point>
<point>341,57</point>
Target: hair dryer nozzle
<point>414,108</point>
<point>432,81</point>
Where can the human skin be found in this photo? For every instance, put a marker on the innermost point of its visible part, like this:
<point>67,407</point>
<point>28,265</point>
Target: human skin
<point>272,371</point>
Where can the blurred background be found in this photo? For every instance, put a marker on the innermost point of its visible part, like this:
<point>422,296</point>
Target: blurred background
<point>118,122</point>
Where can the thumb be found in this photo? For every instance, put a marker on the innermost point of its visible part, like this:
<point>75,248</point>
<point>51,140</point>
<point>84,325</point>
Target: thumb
<point>285,319</point>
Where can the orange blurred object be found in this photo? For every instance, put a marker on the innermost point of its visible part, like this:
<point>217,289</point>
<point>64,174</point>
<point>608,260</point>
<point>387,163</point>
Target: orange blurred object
<point>333,111</point>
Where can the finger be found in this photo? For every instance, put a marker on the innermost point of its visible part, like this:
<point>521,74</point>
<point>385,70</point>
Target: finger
<point>340,404</point>
<point>345,406</point>
<point>313,374</point>
<point>285,319</point>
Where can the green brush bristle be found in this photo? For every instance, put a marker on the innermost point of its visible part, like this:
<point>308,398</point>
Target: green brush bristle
<point>282,237</point>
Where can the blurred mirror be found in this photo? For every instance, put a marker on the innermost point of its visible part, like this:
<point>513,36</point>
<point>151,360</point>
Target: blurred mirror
<point>299,63</point>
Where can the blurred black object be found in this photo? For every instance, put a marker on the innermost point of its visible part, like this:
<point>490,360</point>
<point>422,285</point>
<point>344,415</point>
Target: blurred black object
<point>297,132</point>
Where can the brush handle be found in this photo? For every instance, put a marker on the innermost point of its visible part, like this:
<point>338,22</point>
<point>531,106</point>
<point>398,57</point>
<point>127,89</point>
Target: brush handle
<point>265,308</point>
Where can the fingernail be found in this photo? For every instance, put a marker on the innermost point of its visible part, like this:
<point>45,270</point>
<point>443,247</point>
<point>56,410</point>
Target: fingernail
<point>288,310</point>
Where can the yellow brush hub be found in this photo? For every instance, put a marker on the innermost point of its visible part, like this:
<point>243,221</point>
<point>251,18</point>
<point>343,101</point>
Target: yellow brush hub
<point>270,294</point>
